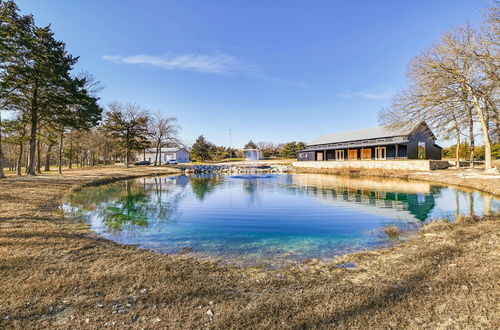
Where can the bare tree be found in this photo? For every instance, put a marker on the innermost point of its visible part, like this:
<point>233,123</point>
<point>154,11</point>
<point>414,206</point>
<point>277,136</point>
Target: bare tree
<point>451,86</point>
<point>163,132</point>
<point>127,125</point>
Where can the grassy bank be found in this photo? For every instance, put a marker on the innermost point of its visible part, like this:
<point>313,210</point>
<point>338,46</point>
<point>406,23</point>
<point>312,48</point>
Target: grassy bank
<point>56,273</point>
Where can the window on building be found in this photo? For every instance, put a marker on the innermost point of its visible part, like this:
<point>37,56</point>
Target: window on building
<point>420,199</point>
<point>421,150</point>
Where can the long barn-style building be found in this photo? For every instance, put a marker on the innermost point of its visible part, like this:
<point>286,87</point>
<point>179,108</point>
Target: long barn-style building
<point>378,143</point>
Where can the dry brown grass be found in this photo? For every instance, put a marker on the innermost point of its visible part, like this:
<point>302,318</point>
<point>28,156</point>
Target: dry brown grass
<point>55,273</point>
<point>392,231</point>
<point>438,224</point>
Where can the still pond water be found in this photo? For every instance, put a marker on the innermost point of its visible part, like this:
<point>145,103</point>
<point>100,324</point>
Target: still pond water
<point>267,219</point>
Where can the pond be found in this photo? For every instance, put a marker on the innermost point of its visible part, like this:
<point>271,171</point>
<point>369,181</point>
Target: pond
<point>266,219</point>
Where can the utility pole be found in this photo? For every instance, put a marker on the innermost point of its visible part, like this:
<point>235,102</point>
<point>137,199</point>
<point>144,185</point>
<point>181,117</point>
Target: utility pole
<point>230,149</point>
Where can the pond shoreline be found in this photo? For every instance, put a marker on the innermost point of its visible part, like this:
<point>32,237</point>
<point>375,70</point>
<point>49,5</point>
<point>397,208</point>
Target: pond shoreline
<point>56,273</point>
<point>313,215</point>
<point>466,178</point>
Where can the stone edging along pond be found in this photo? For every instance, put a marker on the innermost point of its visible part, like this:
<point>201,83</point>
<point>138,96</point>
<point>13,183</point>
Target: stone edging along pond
<point>463,178</point>
<point>431,171</point>
<point>458,178</point>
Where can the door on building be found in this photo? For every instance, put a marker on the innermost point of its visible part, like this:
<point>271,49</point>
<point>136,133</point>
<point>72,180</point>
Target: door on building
<point>319,155</point>
<point>366,153</point>
<point>380,153</point>
<point>353,154</point>
<point>339,154</point>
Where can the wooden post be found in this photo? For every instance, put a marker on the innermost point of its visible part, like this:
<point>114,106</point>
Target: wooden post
<point>396,156</point>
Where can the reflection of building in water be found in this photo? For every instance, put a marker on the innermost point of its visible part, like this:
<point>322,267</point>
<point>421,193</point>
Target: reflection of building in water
<point>179,180</point>
<point>391,198</point>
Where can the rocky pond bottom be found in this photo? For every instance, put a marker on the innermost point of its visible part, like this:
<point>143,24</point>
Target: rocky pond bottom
<point>266,219</point>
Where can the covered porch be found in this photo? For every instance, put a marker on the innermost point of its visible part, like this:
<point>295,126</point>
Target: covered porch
<point>381,152</point>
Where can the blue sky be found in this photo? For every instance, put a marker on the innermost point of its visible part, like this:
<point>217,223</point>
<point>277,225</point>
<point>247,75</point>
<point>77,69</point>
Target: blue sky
<point>269,70</point>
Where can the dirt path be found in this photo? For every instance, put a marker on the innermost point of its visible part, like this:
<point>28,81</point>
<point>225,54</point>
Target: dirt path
<point>56,273</point>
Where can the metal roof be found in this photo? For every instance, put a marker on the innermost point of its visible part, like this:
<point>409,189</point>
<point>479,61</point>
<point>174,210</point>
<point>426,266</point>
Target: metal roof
<point>362,134</point>
<point>330,146</point>
<point>164,150</point>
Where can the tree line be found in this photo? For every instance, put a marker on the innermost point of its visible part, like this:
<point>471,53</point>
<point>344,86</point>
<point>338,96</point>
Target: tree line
<point>204,150</point>
<point>54,111</point>
<point>454,87</point>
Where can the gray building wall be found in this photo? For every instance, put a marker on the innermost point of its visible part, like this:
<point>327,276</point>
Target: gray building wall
<point>431,150</point>
<point>182,156</point>
<point>307,156</point>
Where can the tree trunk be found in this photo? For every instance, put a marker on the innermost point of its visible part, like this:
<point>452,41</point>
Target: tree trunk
<point>156,155</point>
<point>70,161</point>
<point>2,175</point>
<point>33,136</point>
<point>47,157</point>
<point>38,157</point>
<point>26,159</point>
<point>457,152</point>
<point>20,158</point>
<point>486,134</point>
<point>60,151</point>
<point>126,157</point>
<point>471,136</point>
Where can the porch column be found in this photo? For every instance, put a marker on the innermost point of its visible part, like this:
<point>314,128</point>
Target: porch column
<point>324,155</point>
<point>396,152</point>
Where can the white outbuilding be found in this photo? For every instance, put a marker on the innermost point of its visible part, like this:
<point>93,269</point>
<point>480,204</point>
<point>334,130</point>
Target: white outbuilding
<point>165,155</point>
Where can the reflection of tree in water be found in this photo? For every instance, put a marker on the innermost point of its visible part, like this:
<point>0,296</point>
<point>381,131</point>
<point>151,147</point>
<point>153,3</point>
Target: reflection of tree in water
<point>168,192</point>
<point>138,203</point>
<point>90,198</point>
<point>129,209</point>
<point>202,185</point>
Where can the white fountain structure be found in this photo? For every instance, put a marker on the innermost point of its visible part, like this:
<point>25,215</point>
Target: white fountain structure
<point>251,156</point>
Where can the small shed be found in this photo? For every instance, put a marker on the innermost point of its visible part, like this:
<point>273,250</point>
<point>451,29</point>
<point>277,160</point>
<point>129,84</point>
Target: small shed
<point>180,155</point>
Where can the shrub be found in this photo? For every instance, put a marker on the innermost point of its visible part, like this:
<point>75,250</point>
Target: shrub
<point>392,231</point>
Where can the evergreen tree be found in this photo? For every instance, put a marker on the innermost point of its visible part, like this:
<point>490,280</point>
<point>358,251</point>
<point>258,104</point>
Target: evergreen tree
<point>250,145</point>
<point>202,149</point>
<point>291,149</point>
<point>37,76</point>
<point>13,31</point>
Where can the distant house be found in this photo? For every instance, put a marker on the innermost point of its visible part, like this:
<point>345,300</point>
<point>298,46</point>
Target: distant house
<point>179,155</point>
<point>378,143</point>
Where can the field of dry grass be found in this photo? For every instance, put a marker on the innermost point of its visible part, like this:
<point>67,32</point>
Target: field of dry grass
<point>55,273</point>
